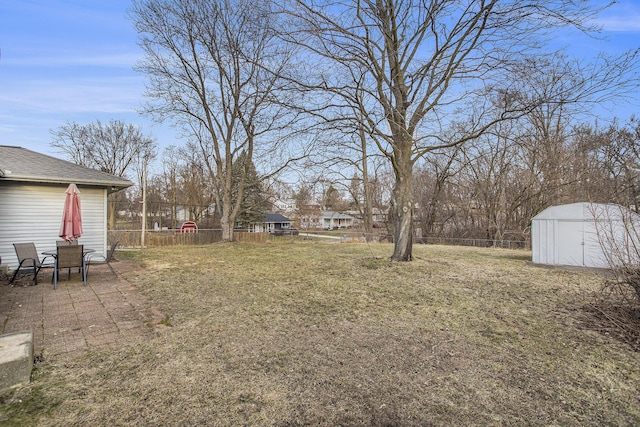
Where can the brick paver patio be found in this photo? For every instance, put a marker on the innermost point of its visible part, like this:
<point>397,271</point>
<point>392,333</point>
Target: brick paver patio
<point>73,320</point>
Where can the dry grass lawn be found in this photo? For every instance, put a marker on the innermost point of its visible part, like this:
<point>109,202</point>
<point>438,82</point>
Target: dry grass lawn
<point>333,334</point>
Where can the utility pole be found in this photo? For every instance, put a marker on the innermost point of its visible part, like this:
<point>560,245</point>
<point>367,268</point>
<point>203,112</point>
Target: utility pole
<point>144,201</point>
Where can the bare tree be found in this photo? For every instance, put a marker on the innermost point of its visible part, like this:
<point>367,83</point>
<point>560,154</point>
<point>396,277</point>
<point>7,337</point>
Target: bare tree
<point>114,148</point>
<point>196,194</point>
<point>420,63</point>
<point>303,198</point>
<point>111,148</point>
<point>213,68</point>
<point>171,163</point>
<point>617,231</point>
<point>185,182</point>
<point>612,161</point>
<point>332,199</point>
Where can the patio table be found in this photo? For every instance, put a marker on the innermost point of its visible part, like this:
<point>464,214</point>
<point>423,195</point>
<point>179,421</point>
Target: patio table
<point>54,253</point>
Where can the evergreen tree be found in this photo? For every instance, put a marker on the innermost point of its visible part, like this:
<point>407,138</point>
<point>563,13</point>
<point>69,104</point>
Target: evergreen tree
<point>254,205</point>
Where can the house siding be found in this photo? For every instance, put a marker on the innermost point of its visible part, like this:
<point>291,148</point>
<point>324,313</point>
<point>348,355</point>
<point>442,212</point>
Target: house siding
<point>33,213</point>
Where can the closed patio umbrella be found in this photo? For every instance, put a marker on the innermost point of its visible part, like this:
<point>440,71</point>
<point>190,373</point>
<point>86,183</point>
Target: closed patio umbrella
<point>71,227</point>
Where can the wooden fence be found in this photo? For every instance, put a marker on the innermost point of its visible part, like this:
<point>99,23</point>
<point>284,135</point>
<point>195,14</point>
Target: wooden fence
<point>131,238</point>
<point>245,236</point>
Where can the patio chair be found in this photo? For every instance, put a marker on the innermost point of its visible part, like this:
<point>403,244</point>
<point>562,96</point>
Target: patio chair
<point>69,257</point>
<point>99,259</point>
<point>65,243</point>
<point>29,261</point>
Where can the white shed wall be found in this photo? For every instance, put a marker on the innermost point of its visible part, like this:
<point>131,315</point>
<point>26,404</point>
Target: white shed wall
<point>569,242</point>
<point>33,213</point>
<point>584,234</point>
<point>543,231</point>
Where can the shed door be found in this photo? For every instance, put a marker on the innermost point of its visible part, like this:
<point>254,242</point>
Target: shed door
<point>570,243</point>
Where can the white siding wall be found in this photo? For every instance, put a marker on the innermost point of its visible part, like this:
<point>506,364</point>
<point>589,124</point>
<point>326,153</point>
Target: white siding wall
<point>33,213</point>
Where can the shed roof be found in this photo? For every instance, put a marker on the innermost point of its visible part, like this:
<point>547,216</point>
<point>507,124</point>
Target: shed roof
<point>582,211</point>
<point>20,164</point>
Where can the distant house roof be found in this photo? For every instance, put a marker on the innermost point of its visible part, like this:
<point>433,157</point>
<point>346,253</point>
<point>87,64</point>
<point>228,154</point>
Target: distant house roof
<point>20,164</point>
<point>335,215</point>
<point>276,218</point>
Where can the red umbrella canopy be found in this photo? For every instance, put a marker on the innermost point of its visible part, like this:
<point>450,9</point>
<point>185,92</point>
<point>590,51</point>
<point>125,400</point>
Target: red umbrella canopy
<point>71,227</point>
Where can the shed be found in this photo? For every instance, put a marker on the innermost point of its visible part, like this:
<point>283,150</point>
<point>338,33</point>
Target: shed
<point>584,234</point>
<point>187,227</point>
<point>32,194</point>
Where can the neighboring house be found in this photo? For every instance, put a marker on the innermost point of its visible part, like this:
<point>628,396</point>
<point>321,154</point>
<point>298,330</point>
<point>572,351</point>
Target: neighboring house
<point>286,206</point>
<point>273,223</point>
<point>32,194</point>
<point>379,216</point>
<point>356,215</point>
<point>585,234</point>
<point>310,221</point>
<point>309,216</point>
<point>331,220</point>
<point>183,213</point>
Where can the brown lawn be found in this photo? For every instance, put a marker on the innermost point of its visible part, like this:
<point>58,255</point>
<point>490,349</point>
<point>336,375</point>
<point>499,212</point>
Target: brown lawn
<point>333,334</point>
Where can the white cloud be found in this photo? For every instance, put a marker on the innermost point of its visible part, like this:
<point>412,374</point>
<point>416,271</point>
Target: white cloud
<point>623,24</point>
<point>64,96</point>
<point>72,59</point>
<point>621,17</point>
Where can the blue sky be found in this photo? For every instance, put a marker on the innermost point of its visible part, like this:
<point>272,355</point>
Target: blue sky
<point>71,60</point>
<point>68,60</point>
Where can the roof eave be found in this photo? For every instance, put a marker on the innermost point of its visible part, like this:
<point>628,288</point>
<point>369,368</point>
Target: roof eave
<point>114,185</point>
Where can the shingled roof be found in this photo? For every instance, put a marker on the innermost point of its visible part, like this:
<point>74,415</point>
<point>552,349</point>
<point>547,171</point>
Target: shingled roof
<point>276,217</point>
<point>20,164</point>
<point>335,215</point>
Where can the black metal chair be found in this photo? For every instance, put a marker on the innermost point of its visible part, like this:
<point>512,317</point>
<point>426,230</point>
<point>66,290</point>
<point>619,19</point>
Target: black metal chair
<point>70,256</point>
<point>29,261</point>
<point>99,259</point>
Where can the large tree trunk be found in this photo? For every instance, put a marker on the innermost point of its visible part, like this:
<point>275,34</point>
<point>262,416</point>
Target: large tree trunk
<point>229,214</point>
<point>403,207</point>
<point>226,217</point>
<point>227,229</point>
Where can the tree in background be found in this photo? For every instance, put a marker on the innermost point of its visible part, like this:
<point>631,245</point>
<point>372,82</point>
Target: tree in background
<point>416,63</point>
<point>254,205</point>
<point>113,148</point>
<point>196,194</point>
<point>332,199</point>
<point>186,184</point>
<point>303,198</point>
<point>171,163</point>
<point>611,162</point>
<point>519,167</point>
<point>157,208</point>
<point>214,69</point>
<point>432,177</point>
